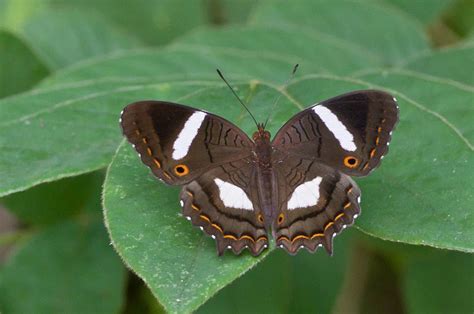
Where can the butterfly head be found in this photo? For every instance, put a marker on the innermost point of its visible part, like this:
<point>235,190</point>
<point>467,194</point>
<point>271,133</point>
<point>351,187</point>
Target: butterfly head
<point>261,135</point>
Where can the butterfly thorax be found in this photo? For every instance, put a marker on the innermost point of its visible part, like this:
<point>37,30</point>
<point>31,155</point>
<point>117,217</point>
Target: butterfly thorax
<point>266,181</point>
<point>263,147</point>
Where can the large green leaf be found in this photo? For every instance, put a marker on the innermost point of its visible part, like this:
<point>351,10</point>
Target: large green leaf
<point>449,63</point>
<point>67,268</point>
<point>20,68</point>
<point>315,53</point>
<point>380,31</point>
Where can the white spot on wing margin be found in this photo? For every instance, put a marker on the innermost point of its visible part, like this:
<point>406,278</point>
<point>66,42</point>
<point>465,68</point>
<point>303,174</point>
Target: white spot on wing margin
<point>188,133</point>
<point>345,138</point>
<point>233,196</point>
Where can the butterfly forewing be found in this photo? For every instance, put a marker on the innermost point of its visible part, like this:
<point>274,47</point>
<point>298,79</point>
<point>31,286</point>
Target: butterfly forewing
<point>350,132</point>
<point>180,143</point>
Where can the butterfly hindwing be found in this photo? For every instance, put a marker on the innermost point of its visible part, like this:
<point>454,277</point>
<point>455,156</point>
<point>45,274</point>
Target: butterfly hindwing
<point>179,143</point>
<point>222,202</point>
<point>316,203</point>
<point>350,132</point>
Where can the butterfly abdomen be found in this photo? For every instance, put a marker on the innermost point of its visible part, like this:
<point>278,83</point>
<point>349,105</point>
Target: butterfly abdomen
<point>266,178</point>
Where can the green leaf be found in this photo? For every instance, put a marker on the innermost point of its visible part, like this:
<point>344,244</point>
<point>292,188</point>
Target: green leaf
<point>67,268</point>
<point>177,262</point>
<point>440,282</point>
<point>448,63</point>
<point>20,68</point>
<point>304,48</point>
<point>79,39</point>
<point>368,26</point>
<point>41,205</point>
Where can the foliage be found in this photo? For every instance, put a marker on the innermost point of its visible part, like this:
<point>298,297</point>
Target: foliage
<point>58,137</point>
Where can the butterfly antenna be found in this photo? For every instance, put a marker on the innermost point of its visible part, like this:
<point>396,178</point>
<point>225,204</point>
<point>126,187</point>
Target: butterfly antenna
<point>237,96</point>
<point>283,87</point>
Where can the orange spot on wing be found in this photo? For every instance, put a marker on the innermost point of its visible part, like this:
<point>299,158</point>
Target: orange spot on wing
<point>379,129</point>
<point>316,235</point>
<point>377,140</point>
<point>148,150</point>
<point>281,218</point>
<point>204,217</point>
<point>137,132</point>
<point>328,225</point>
<point>284,238</point>
<point>229,236</point>
<point>299,237</point>
<point>195,207</point>
<point>166,175</point>
<point>372,153</point>
<point>218,228</point>
<point>247,237</point>
<point>262,238</point>
<point>348,204</point>
<point>157,163</point>
<point>339,216</point>
<point>144,141</point>
<point>189,193</point>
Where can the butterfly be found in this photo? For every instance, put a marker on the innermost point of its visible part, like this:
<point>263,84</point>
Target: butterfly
<point>296,186</point>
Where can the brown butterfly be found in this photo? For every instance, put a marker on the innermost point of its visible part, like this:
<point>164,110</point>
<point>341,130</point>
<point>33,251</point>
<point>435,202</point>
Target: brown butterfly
<point>298,184</point>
